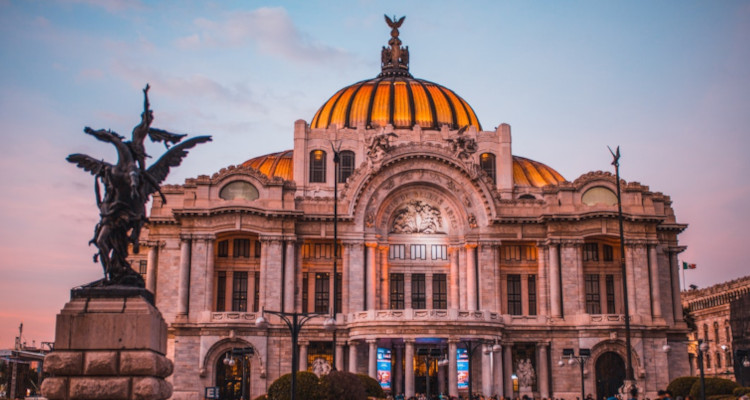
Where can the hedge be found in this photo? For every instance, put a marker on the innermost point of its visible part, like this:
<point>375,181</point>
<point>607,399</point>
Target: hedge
<point>714,386</point>
<point>681,386</point>
<point>340,385</point>
<point>372,387</point>
<point>308,387</point>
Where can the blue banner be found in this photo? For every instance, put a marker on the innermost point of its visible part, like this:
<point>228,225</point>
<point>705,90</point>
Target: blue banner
<point>462,366</point>
<point>384,368</point>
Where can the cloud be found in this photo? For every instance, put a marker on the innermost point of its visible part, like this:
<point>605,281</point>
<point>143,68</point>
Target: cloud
<point>271,30</point>
<point>111,6</point>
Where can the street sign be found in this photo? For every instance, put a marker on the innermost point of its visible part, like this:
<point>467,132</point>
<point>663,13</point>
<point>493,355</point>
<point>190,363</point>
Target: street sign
<point>212,392</point>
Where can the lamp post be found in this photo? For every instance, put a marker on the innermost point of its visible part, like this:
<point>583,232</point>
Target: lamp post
<point>702,347</point>
<point>243,353</point>
<point>430,355</point>
<point>330,323</point>
<point>294,321</point>
<point>742,358</point>
<point>470,347</point>
<point>629,377</point>
<point>581,358</point>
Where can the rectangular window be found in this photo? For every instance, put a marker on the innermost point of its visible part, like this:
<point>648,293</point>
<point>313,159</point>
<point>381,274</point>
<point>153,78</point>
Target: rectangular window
<point>397,292</point>
<point>514,295</point>
<point>439,252</point>
<point>322,291</point>
<point>239,291</point>
<point>322,251</point>
<point>221,291</point>
<point>609,283</point>
<point>256,295</point>
<point>609,254</point>
<point>593,299</point>
<point>223,248</point>
<point>418,251</point>
<point>143,267</point>
<point>337,305</point>
<point>418,292</point>
<point>305,298</point>
<point>397,252</point>
<point>317,166</point>
<point>346,165</point>
<point>590,252</point>
<point>530,252</point>
<point>511,253</point>
<point>439,292</point>
<point>257,249</point>
<point>241,248</point>
<point>532,294</point>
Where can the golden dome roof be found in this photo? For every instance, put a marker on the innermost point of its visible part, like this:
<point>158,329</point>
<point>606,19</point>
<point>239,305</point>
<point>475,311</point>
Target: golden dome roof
<point>395,98</point>
<point>525,172</point>
<point>401,101</point>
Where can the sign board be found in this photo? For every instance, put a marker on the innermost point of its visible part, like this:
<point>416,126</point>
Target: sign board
<point>212,392</point>
<point>462,367</point>
<point>384,368</point>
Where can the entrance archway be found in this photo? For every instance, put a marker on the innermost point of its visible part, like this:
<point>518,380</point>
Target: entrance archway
<point>229,377</point>
<point>610,374</point>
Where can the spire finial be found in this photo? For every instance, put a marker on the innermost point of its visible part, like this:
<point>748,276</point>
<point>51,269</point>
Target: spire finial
<point>394,59</point>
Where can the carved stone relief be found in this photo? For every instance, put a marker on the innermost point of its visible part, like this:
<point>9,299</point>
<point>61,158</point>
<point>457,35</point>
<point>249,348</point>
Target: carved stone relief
<point>417,216</point>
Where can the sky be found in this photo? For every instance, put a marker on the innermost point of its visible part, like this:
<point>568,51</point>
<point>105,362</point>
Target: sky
<point>667,81</point>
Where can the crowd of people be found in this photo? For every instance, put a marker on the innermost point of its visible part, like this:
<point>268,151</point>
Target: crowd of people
<point>661,395</point>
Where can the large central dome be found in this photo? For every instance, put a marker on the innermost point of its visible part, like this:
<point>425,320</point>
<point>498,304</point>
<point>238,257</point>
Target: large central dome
<point>395,98</point>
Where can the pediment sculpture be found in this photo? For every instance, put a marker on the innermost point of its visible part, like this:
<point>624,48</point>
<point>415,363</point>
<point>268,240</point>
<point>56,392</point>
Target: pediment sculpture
<point>417,216</point>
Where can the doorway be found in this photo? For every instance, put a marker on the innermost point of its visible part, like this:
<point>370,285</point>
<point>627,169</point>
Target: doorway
<point>229,377</point>
<point>610,375</point>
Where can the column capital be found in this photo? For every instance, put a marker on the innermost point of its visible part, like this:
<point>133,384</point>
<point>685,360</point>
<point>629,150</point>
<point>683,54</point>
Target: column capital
<point>543,344</point>
<point>409,341</point>
<point>271,238</point>
<point>303,342</point>
<point>470,245</point>
<point>371,244</point>
<point>371,341</point>
<point>383,247</point>
<point>185,236</point>
<point>354,342</point>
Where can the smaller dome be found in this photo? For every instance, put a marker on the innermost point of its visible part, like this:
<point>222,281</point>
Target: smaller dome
<point>525,172</point>
<point>533,173</point>
<point>274,165</point>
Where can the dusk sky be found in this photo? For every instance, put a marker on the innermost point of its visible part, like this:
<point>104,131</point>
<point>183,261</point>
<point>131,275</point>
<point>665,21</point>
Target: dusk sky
<point>667,81</point>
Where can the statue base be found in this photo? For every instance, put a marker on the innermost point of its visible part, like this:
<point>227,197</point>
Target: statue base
<point>110,343</point>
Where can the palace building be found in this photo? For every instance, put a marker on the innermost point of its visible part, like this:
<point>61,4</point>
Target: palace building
<point>450,252</point>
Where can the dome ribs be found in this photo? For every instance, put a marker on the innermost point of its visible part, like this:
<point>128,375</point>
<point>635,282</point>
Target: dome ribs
<point>449,100</point>
<point>376,85</point>
<point>431,104</point>
<point>410,96</point>
<point>347,123</point>
<point>392,101</point>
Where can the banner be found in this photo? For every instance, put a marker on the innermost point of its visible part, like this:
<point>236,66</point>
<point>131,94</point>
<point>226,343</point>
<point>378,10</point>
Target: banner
<point>462,361</point>
<point>384,368</point>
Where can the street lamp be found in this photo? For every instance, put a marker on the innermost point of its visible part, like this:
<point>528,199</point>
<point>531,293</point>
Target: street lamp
<point>743,362</point>
<point>330,323</point>
<point>470,347</point>
<point>430,355</point>
<point>581,358</point>
<point>243,353</point>
<point>629,377</point>
<point>294,321</point>
<point>702,347</point>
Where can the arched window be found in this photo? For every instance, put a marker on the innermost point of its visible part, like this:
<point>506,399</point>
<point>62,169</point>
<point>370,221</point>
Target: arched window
<point>716,332</point>
<point>317,166</point>
<point>239,190</point>
<point>346,165</point>
<point>727,332</point>
<point>705,333</point>
<point>487,162</point>
<point>708,361</point>
<point>718,360</point>
<point>599,195</point>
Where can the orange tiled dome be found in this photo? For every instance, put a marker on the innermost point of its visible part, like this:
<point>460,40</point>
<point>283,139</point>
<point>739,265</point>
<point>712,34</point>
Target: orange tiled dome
<point>401,101</point>
<point>525,172</point>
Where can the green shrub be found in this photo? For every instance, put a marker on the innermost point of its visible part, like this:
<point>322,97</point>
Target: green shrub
<point>741,391</point>
<point>721,397</point>
<point>372,387</point>
<point>714,386</point>
<point>681,386</point>
<point>340,385</point>
<point>261,397</point>
<point>307,387</point>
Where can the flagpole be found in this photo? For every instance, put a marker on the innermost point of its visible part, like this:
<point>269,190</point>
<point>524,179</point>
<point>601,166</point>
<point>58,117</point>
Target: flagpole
<point>683,278</point>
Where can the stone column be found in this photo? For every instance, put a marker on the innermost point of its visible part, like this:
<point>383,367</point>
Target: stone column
<point>345,277</point>
<point>270,273</point>
<point>630,281</point>
<point>409,368</point>
<point>486,371</point>
<point>372,276</point>
<point>453,281</point>
<point>384,278</point>
<point>554,281</point>
<point>353,356</point>
<point>183,290</point>
<point>339,356</point>
<point>208,303</point>
<point>508,367</point>
<point>542,284</point>
<point>372,361</point>
<point>290,275</point>
<point>151,265</point>
<point>357,276</point>
<point>428,290</point>
<point>398,369</point>
<point>543,370</point>
<point>464,285</point>
<point>471,277</point>
<point>673,269</point>
<point>524,294</point>
<point>653,262</point>
<point>452,368</point>
<point>497,364</point>
<point>303,354</point>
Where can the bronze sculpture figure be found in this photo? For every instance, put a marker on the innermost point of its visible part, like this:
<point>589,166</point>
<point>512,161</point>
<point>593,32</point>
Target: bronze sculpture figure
<point>128,184</point>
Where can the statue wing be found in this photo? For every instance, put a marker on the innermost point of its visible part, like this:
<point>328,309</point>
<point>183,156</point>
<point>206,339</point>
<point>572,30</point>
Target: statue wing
<point>388,20</point>
<point>105,135</point>
<point>88,163</point>
<point>400,21</point>
<point>172,158</point>
<point>160,135</point>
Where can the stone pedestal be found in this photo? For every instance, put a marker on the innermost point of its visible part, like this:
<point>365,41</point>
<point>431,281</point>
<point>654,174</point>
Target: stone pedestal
<point>109,344</point>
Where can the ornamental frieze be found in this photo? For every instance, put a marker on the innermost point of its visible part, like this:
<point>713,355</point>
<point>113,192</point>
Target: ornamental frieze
<point>417,216</point>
